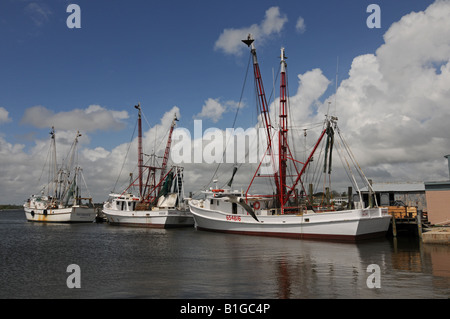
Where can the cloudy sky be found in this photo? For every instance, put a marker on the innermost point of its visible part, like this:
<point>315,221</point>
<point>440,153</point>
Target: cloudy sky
<point>391,96</point>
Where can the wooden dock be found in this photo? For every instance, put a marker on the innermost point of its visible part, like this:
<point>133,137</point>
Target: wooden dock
<point>413,221</point>
<point>407,219</point>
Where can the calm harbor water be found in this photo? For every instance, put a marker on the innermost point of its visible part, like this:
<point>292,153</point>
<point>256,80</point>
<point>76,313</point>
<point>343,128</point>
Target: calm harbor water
<point>122,262</point>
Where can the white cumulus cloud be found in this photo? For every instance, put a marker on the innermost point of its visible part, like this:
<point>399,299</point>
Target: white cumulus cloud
<point>213,109</point>
<point>393,106</point>
<point>94,118</point>
<point>230,40</point>
<point>300,26</point>
<point>4,115</point>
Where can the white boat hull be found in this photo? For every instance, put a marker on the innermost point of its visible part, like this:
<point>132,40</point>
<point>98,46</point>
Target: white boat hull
<point>342,225</point>
<point>159,218</point>
<point>74,214</point>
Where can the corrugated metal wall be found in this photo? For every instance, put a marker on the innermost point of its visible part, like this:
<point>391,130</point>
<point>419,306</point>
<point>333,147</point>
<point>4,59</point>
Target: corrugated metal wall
<point>413,199</point>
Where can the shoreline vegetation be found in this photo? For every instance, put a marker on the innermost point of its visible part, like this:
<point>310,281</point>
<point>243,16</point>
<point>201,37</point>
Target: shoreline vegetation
<point>10,207</point>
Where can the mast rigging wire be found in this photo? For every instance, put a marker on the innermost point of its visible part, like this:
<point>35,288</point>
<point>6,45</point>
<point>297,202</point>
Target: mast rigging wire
<point>124,160</point>
<point>234,123</point>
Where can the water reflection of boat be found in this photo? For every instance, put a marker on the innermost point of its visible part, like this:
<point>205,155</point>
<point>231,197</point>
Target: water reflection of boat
<point>318,269</point>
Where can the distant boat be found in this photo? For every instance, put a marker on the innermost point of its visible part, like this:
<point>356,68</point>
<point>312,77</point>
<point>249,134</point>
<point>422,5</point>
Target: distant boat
<point>60,200</point>
<point>160,203</point>
<point>282,212</point>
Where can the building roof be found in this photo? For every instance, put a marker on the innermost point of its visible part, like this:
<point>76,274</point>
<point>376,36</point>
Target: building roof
<point>397,187</point>
<point>444,185</point>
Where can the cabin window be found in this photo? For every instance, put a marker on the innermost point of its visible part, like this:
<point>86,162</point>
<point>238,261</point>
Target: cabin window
<point>234,208</point>
<point>211,201</point>
<point>123,205</point>
<point>134,205</point>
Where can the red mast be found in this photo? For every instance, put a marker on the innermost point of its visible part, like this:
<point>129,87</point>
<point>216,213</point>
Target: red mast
<point>282,133</point>
<point>140,154</point>
<point>283,191</point>
<point>264,109</point>
<point>167,151</point>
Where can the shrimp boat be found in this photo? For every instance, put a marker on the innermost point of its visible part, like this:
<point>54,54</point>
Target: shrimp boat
<point>286,212</point>
<point>60,200</point>
<point>160,204</point>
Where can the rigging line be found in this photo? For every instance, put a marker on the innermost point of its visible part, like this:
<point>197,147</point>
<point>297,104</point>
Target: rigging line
<point>69,163</point>
<point>45,163</point>
<point>126,155</point>
<point>352,157</point>
<point>234,123</point>
<point>306,126</point>
<point>235,118</point>
<point>270,149</point>
<point>316,170</point>
<point>242,92</point>
<point>153,158</point>
<point>360,171</point>
<point>352,177</point>
<point>258,102</point>
<point>345,147</point>
<point>344,163</point>
<point>273,89</point>
<point>87,189</point>
<point>156,131</point>
<point>156,128</point>
<point>143,115</point>
<point>269,181</point>
<point>336,87</point>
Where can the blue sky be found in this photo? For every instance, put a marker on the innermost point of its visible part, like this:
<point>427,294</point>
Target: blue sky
<point>165,54</point>
<point>162,54</point>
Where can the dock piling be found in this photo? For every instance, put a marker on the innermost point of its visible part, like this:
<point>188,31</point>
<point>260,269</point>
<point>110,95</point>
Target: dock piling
<point>419,223</point>
<point>394,226</point>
